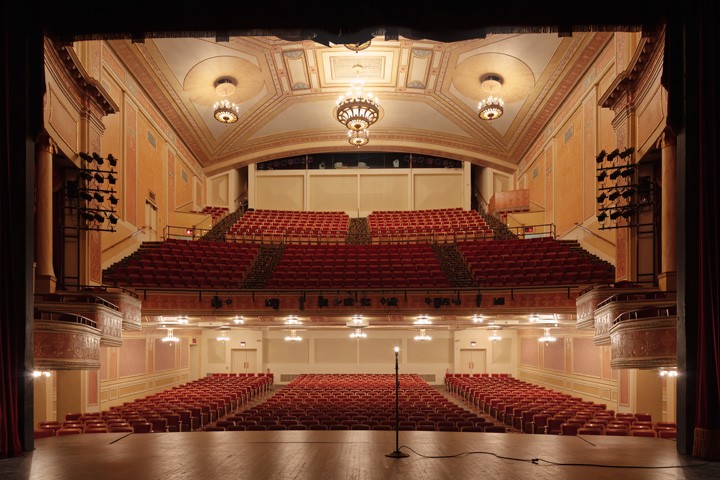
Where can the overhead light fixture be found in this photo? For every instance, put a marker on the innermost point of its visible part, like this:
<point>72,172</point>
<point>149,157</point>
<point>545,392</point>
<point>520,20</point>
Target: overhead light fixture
<point>292,320</point>
<point>224,110</point>
<point>358,137</point>
<point>668,372</point>
<point>358,333</point>
<point>423,337</point>
<point>494,338</point>
<point>293,337</point>
<point>534,318</point>
<point>547,338</point>
<point>223,337</point>
<point>493,106</point>
<point>478,318</point>
<point>182,320</point>
<point>41,373</point>
<point>170,338</point>
<point>422,320</point>
<point>356,109</point>
<point>238,320</point>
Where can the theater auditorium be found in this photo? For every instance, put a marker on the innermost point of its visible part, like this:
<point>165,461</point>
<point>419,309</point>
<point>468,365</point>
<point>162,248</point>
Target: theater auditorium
<point>359,241</point>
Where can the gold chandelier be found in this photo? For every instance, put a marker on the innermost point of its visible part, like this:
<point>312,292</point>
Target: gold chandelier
<point>358,137</point>
<point>491,107</point>
<point>357,110</point>
<point>224,110</point>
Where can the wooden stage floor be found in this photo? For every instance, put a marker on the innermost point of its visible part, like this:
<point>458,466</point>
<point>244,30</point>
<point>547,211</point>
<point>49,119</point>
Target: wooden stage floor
<point>329,455</point>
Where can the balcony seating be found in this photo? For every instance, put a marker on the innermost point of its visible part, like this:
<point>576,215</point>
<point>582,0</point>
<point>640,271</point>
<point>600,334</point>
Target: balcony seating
<point>440,225</point>
<point>275,226</point>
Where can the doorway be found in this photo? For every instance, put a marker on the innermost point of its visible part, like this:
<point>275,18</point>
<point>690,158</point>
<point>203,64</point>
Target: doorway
<point>473,360</point>
<point>244,361</point>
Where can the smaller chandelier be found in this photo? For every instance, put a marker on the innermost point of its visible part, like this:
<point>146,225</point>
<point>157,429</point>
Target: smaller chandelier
<point>358,333</point>
<point>547,338</point>
<point>293,337</point>
<point>358,137</point>
<point>239,320</point>
<point>478,318</point>
<point>492,107</point>
<point>423,337</point>
<point>357,110</point>
<point>223,338</point>
<point>423,320</point>
<point>224,110</point>
<point>170,337</point>
<point>494,338</point>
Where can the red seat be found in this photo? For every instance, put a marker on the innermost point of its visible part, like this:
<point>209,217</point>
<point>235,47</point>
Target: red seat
<point>569,428</point>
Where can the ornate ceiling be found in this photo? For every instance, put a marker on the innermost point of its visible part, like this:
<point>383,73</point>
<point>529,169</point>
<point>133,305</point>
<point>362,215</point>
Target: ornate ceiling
<point>428,90</point>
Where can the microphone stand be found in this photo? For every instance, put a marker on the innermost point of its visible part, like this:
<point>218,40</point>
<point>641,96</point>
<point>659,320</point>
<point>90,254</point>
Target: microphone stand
<point>397,453</point>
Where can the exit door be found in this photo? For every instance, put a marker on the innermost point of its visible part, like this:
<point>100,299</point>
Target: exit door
<point>472,360</point>
<point>244,361</point>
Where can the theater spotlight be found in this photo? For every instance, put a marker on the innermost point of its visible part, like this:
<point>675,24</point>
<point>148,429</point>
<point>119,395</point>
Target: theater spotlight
<point>602,217</point>
<point>628,193</point>
<point>601,198</point>
<point>112,160</point>
<point>88,215</point>
<point>614,174</point>
<point>626,152</point>
<point>111,178</point>
<point>98,197</point>
<point>613,196</point>
<point>601,176</point>
<point>98,177</point>
<point>627,172</point>
<point>601,156</point>
<point>614,215</point>
<point>112,219</point>
<point>611,156</point>
<point>85,157</point>
<point>627,213</point>
<point>365,302</point>
<point>85,195</point>
<point>98,159</point>
<point>113,199</point>
<point>84,174</point>
<point>98,218</point>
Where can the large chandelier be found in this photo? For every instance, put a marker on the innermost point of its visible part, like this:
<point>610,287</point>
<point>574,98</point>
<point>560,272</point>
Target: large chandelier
<point>423,337</point>
<point>224,110</point>
<point>358,333</point>
<point>293,337</point>
<point>491,107</point>
<point>357,110</point>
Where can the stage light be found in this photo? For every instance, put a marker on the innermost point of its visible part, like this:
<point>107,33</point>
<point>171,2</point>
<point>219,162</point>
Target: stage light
<point>84,174</point>
<point>112,179</point>
<point>85,157</point>
<point>614,174</point>
<point>613,196</point>
<point>98,197</point>
<point>99,178</point>
<point>601,198</point>
<point>98,159</point>
<point>112,160</point>
<point>614,215</point>
<point>611,156</point>
<point>627,213</point>
<point>113,199</point>
<point>601,176</point>
<point>626,152</point>
<point>628,193</point>
<point>112,219</point>
<point>85,195</point>
<point>627,172</point>
<point>600,157</point>
<point>98,218</point>
<point>602,216</point>
<point>88,216</point>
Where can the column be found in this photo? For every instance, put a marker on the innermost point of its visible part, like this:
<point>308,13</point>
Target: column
<point>668,231</point>
<point>44,274</point>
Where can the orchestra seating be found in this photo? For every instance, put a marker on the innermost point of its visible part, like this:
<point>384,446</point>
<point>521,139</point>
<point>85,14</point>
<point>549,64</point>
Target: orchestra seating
<point>535,261</point>
<point>528,408</point>
<point>358,266</point>
<point>187,407</point>
<point>184,264</point>
<point>440,225</point>
<point>276,226</point>
<point>357,402</point>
